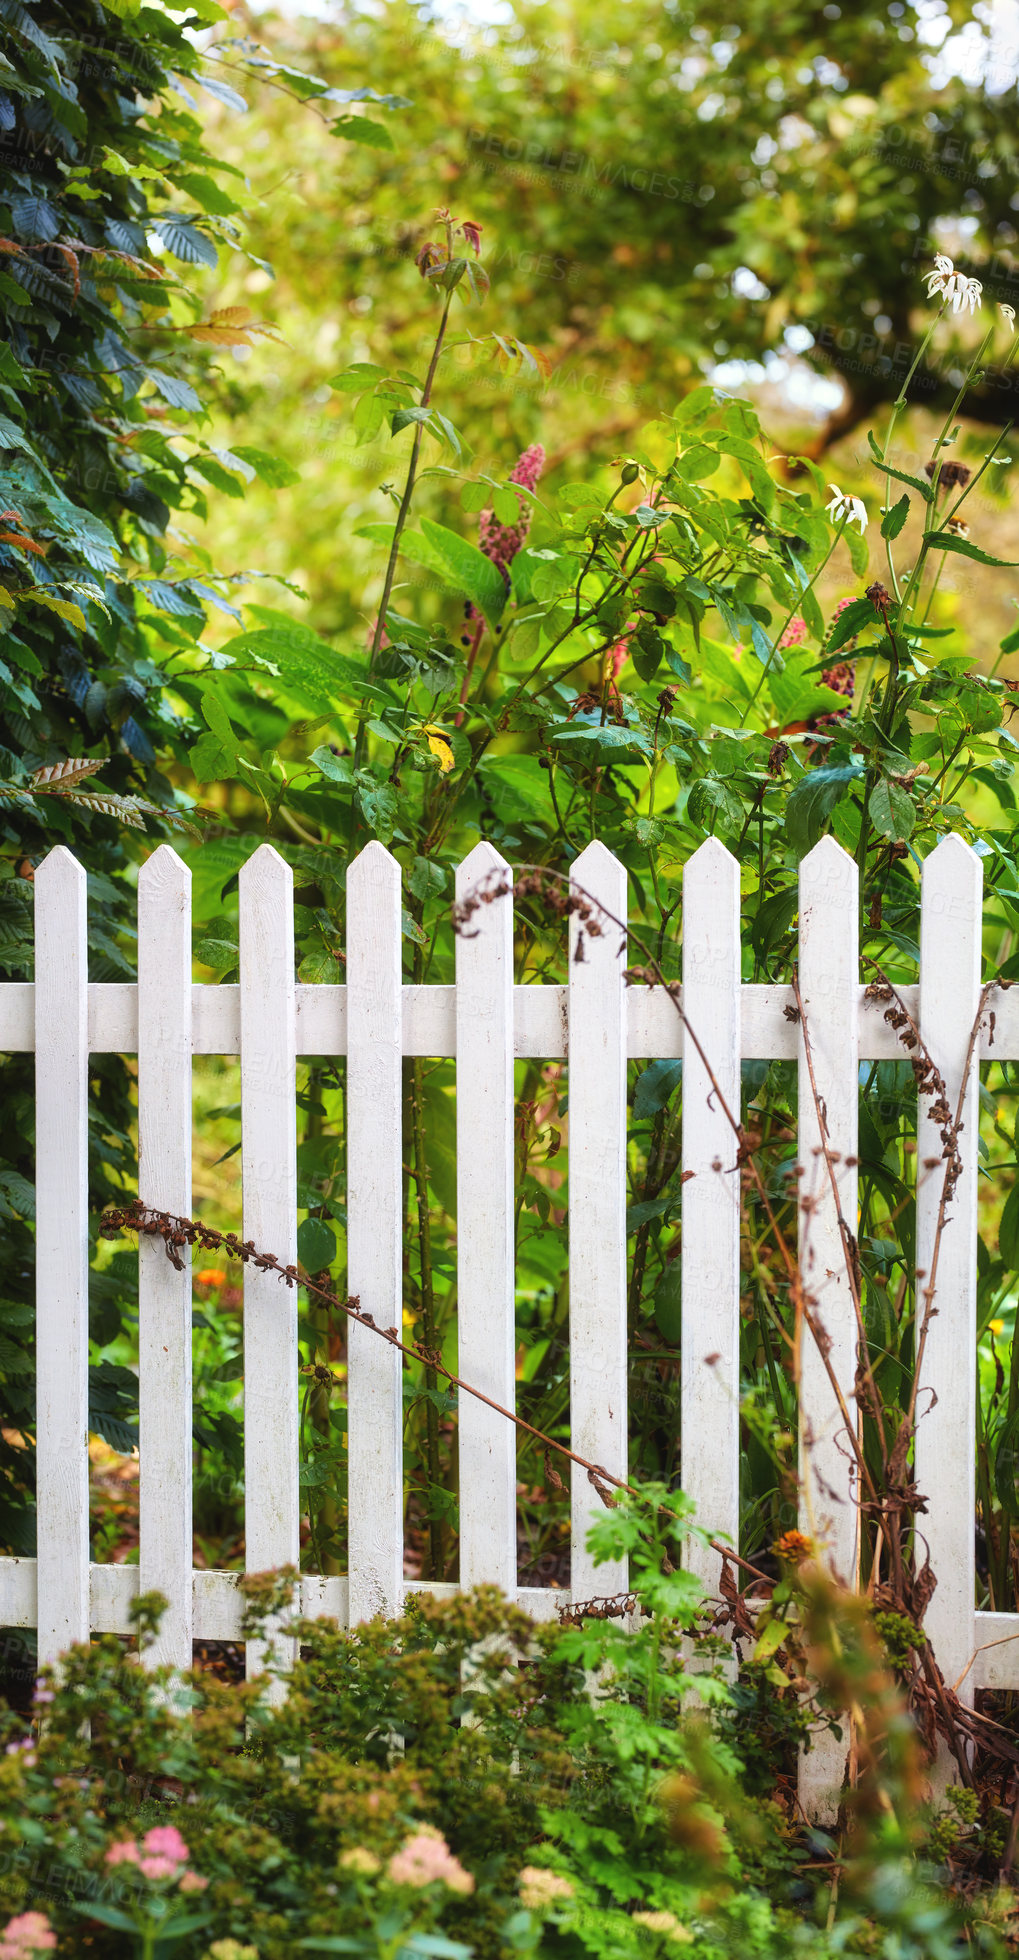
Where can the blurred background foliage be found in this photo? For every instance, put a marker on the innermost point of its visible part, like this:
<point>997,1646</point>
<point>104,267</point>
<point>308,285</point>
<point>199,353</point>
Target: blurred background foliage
<point>666,193</point>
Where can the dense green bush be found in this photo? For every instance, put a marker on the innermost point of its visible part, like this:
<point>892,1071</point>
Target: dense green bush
<point>460,1781</point>
<point>110,203</point>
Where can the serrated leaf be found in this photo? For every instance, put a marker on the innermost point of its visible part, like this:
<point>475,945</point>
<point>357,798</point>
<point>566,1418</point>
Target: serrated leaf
<point>63,775</point>
<point>947,541</point>
<point>894,519</point>
<point>851,621</point>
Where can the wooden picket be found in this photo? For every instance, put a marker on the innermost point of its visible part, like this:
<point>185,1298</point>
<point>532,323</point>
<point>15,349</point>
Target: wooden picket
<point>596,1023</point>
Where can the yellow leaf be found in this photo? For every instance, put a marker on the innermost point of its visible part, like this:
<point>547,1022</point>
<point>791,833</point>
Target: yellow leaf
<point>64,608</point>
<point>439,745</point>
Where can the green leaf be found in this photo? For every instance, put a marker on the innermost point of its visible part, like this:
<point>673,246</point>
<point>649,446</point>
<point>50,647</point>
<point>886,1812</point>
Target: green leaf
<point>1006,1460</point>
<point>217,953</point>
<point>318,969</point>
<point>712,803</point>
<point>360,375</point>
<point>892,812</point>
<point>338,768</point>
<point>646,650</point>
<point>273,470</point>
<point>894,519</point>
<point>212,760</point>
<point>901,476</point>
<point>856,544</point>
<point>316,1244</point>
<point>360,129</point>
<point>379,806</point>
<point>654,1086</point>
<point>947,541</point>
<point>467,569</point>
<point>1008,1230</point>
<point>853,620</point>
<point>669,1304</point>
<point>811,803</point>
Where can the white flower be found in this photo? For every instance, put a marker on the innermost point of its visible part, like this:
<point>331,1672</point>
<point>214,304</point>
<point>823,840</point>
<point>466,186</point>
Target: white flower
<point>1008,315</point>
<point>956,286</point>
<point>851,508</point>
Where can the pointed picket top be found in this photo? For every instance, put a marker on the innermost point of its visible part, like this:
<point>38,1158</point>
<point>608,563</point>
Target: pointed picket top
<point>374,866</point>
<point>595,858</point>
<point>165,868</point>
<point>953,846</point>
<point>711,856</point>
<point>476,865</point>
<point>264,871</point>
<point>953,876</point>
<point>59,866</point>
<point>828,851</point>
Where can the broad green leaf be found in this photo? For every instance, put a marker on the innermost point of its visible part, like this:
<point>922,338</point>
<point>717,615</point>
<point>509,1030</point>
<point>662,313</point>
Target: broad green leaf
<point>467,569</point>
<point>316,1244</point>
<point>269,469</point>
<point>212,759</point>
<point>713,805</point>
<point>811,802</point>
<point>217,953</point>
<point>654,1086</point>
<point>360,129</point>
<point>892,812</point>
<point>338,768</point>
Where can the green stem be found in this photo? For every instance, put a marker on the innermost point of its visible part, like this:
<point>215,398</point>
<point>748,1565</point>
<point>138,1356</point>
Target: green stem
<point>401,519</point>
<point>766,665</point>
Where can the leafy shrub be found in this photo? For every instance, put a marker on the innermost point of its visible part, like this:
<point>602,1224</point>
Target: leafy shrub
<point>459,1781</point>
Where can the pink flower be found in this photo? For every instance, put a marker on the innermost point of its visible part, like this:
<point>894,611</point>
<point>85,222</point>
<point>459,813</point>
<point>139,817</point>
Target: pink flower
<point>158,1867</point>
<point>501,542</point>
<point>165,1841</point>
<point>28,1934</point>
<point>42,1693</point>
<point>794,632</point>
<point>426,1859</point>
<point>122,1854</point>
<point>193,1882</point>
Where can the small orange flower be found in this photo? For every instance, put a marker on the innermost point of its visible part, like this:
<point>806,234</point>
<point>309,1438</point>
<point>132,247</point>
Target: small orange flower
<point>212,1276</point>
<point>792,1545</point>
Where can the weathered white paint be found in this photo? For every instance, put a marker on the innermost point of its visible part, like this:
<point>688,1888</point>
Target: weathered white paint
<point>484,1227</point>
<point>374,1232</point>
<point>711,1198</point>
<point>597,1204</point>
<point>946,1401</point>
<point>61,1250</point>
<point>164,1294</point>
<point>828,970</point>
<point>269,1185</point>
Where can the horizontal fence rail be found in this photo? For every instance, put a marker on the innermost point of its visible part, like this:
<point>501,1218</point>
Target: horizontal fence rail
<point>596,1023</point>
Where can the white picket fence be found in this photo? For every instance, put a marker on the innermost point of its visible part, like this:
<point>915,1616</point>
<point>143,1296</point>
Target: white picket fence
<point>484,1021</point>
